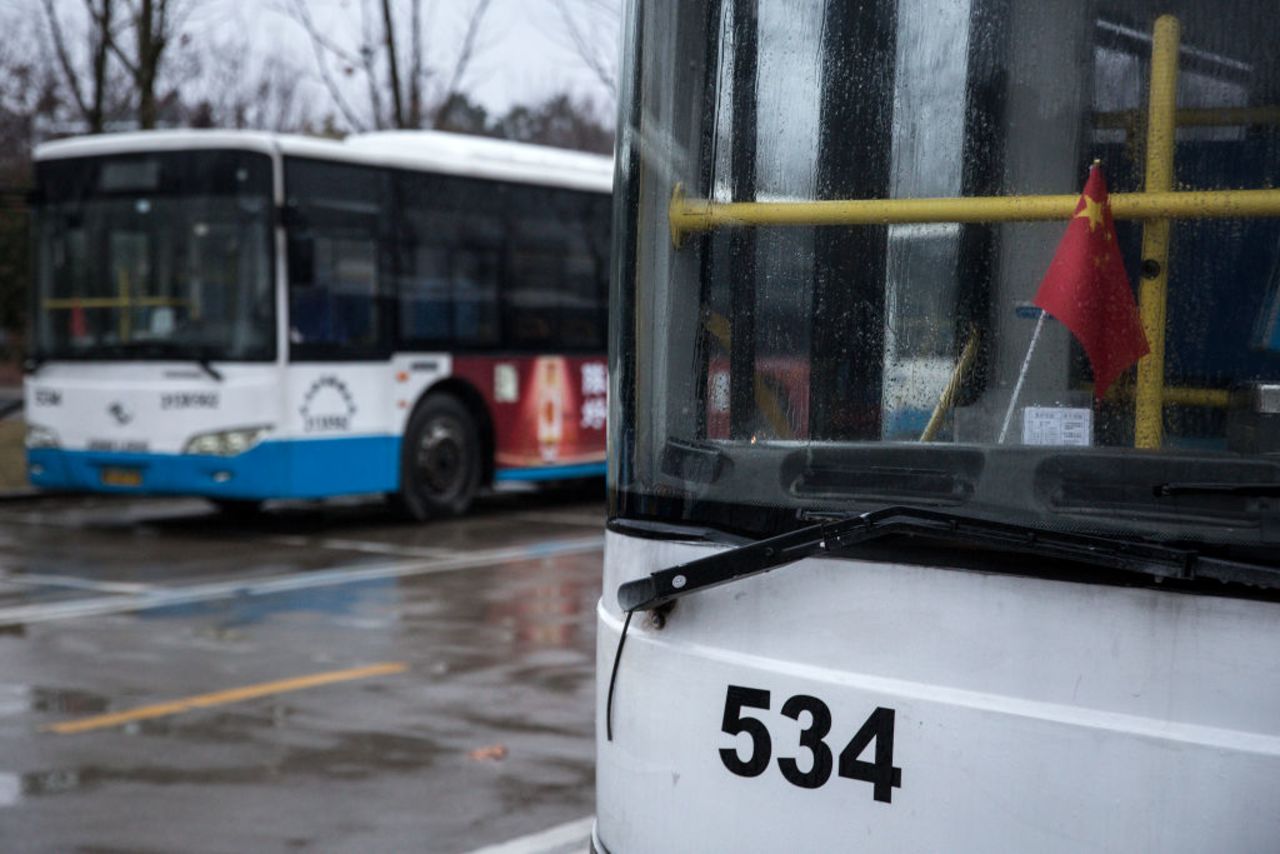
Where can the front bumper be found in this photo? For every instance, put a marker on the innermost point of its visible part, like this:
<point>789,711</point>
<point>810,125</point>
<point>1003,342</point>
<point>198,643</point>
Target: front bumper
<point>274,469</point>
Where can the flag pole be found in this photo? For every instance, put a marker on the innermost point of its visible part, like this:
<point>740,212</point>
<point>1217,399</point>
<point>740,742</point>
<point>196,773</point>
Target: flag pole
<point>1022,376</point>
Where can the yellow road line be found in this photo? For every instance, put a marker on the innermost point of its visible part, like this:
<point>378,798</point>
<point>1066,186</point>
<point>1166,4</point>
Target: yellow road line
<point>220,698</point>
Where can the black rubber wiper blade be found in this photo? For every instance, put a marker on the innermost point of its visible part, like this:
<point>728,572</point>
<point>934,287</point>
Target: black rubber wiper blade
<point>171,350</point>
<point>827,537</point>
<point>208,368</point>
<point>1260,490</point>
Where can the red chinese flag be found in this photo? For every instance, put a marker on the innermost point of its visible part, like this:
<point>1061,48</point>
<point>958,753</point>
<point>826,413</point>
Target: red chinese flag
<point>1086,288</point>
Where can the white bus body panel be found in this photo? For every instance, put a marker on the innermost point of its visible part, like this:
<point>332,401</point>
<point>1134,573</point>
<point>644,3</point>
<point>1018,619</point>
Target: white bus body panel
<point>330,428</point>
<point>1030,715</point>
<point>154,407</point>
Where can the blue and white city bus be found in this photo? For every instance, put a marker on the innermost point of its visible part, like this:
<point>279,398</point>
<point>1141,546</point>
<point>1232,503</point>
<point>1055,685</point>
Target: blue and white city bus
<point>248,316</point>
<point>879,575</point>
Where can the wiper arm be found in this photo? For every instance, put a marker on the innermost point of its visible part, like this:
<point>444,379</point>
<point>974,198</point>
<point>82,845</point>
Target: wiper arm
<point>169,350</point>
<point>208,368</point>
<point>1260,490</point>
<point>837,534</point>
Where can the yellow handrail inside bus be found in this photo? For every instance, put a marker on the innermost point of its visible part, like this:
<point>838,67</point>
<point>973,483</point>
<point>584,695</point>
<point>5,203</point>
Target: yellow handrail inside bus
<point>1209,398</point>
<point>1156,205</point>
<point>1153,291</point>
<point>67,303</point>
<point>967,355</point>
<point>690,216</point>
<point>766,398</point>
<point>1201,117</point>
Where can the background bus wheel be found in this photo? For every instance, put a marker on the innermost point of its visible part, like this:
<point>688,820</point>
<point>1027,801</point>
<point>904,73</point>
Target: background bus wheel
<point>439,460</point>
<point>237,508</point>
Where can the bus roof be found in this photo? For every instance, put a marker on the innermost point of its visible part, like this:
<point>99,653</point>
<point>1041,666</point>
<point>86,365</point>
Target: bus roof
<point>420,150</point>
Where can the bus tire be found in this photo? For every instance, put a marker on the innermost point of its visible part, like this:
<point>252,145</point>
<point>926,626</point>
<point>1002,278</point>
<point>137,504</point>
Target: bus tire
<point>237,508</point>
<point>440,464</point>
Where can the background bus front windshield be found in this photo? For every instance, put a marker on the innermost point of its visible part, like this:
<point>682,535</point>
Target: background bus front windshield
<point>155,256</point>
<point>791,363</point>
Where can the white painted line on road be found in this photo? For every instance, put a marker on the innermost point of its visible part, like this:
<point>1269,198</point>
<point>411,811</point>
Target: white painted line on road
<point>164,597</point>
<point>579,519</point>
<point>365,547</point>
<point>69,581</point>
<point>572,836</point>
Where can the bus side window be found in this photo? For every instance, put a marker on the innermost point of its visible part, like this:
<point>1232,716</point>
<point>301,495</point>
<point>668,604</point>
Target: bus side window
<point>337,262</point>
<point>450,235</point>
<point>475,294</point>
<point>553,298</point>
<point>531,300</point>
<point>583,319</point>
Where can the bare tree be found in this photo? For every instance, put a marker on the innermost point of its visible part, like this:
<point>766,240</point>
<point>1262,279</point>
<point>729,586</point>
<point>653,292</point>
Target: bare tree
<point>393,58</point>
<point>327,51</point>
<point>235,88</point>
<point>153,28</point>
<point>466,52</point>
<point>591,30</point>
<point>99,37</point>
<point>32,93</point>
<point>561,121</point>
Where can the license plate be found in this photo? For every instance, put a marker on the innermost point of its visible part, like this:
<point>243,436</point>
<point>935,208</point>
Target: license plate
<point>121,477</point>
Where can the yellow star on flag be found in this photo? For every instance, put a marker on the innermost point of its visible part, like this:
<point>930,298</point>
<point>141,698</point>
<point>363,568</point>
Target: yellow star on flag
<point>1092,211</point>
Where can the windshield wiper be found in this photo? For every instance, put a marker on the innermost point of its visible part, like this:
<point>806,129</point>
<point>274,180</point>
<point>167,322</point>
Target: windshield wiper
<point>168,350</point>
<point>835,535</point>
<point>1260,490</point>
<point>203,361</point>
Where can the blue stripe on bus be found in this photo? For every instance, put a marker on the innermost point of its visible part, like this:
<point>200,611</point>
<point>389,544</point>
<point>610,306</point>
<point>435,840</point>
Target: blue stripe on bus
<point>308,468</point>
<point>299,468</point>
<point>552,472</point>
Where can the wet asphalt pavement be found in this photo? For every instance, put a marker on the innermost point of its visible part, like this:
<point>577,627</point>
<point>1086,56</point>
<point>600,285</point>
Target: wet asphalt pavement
<point>452,704</point>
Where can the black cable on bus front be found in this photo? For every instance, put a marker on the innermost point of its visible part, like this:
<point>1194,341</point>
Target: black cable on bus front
<point>613,678</point>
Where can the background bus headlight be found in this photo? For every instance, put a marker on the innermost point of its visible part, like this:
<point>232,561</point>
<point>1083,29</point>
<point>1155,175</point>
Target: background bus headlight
<point>41,437</point>
<point>226,443</point>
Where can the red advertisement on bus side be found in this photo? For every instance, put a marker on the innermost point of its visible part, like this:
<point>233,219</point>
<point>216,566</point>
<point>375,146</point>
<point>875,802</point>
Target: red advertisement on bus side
<point>547,410</point>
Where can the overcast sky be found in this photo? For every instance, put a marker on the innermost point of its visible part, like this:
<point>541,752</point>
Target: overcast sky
<point>525,52</point>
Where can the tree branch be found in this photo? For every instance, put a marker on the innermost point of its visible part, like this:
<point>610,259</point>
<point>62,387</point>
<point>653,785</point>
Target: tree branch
<point>393,65</point>
<point>415,63</point>
<point>466,51</point>
<point>64,59</point>
<point>129,65</point>
<point>318,46</point>
<point>367,52</point>
<point>584,45</point>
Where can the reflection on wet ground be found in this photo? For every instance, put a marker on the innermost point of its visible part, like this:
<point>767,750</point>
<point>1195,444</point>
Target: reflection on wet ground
<point>486,736</point>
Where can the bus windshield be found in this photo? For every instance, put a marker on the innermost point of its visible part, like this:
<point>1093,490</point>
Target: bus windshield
<point>782,344</point>
<point>155,256</point>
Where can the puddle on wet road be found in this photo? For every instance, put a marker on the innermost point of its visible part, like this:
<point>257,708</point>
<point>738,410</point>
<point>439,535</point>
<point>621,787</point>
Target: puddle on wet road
<point>499,656</point>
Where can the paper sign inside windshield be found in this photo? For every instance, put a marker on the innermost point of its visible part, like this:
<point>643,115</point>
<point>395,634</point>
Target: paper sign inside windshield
<point>1054,425</point>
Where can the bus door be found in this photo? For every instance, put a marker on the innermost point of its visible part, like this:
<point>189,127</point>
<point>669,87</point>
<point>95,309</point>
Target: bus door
<point>341,316</point>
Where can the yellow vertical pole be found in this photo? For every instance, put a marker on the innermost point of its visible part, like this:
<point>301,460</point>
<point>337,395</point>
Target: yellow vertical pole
<point>125,322</point>
<point>1152,292</point>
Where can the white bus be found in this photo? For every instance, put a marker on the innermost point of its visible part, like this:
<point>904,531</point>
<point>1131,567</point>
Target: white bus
<point>844,608</point>
<point>249,316</point>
